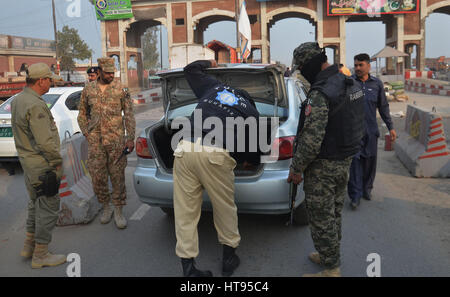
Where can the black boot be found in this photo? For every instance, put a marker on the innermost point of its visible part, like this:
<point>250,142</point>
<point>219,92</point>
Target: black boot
<point>230,260</point>
<point>189,269</point>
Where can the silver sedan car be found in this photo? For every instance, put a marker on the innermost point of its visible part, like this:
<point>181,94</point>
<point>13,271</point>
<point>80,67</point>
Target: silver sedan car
<point>262,189</point>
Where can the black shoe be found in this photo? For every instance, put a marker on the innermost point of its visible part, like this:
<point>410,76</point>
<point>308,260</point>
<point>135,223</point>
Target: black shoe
<point>367,196</point>
<point>354,204</point>
<point>230,260</point>
<point>189,269</point>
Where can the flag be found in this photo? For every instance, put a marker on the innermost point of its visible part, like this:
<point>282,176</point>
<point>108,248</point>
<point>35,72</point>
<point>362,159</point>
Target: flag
<point>245,32</point>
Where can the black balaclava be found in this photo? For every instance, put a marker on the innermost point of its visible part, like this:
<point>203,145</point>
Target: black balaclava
<point>313,67</point>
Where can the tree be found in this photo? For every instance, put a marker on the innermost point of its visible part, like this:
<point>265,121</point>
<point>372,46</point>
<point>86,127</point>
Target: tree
<point>149,48</point>
<point>71,47</point>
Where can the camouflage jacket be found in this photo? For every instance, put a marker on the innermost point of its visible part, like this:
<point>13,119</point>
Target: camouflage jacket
<point>35,135</point>
<point>311,136</point>
<point>102,112</point>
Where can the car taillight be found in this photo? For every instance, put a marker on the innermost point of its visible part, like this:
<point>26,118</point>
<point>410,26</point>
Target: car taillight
<point>142,148</point>
<point>285,147</point>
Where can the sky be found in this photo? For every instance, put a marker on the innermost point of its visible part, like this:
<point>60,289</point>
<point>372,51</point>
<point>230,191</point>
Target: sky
<point>33,18</point>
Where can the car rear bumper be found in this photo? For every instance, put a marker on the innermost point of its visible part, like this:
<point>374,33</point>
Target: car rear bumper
<point>264,194</point>
<point>7,148</point>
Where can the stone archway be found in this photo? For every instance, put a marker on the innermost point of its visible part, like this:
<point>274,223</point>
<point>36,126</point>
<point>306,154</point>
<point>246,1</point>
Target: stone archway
<point>201,21</point>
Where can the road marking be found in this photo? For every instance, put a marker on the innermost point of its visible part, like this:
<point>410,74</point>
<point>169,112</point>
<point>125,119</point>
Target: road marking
<point>140,212</point>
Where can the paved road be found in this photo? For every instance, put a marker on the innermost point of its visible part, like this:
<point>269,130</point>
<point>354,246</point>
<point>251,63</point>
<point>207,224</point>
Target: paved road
<point>406,224</point>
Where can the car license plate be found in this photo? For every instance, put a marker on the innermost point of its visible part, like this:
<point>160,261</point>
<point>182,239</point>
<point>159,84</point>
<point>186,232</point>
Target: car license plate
<point>6,132</point>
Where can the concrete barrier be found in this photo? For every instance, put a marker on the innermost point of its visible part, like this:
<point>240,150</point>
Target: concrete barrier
<point>427,88</point>
<point>422,147</point>
<point>419,74</point>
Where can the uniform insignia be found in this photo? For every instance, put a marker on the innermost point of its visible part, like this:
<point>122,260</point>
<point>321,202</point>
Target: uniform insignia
<point>308,110</point>
<point>227,98</point>
<point>41,116</point>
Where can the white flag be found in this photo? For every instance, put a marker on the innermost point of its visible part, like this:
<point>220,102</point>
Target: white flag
<point>245,33</point>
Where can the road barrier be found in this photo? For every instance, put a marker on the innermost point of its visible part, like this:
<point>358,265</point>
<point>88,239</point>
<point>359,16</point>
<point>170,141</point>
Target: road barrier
<point>427,88</point>
<point>422,147</point>
<point>78,203</point>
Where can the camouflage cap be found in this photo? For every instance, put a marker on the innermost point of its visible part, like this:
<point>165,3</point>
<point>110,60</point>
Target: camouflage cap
<point>303,53</point>
<point>106,64</point>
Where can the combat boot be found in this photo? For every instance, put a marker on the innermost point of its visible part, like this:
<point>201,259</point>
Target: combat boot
<point>189,269</point>
<point>42,257</point>
<point>230,260</point>
<point>106,214</point>
<point>28,247</point>
<point>120,220</point>
<point>314,257</point>
<point>334,272</point>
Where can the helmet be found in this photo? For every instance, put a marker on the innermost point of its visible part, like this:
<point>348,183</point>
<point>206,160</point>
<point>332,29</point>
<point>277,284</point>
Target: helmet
<point>303,53</point>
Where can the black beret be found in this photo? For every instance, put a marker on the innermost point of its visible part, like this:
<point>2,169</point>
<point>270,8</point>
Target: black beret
<point>92,70</point>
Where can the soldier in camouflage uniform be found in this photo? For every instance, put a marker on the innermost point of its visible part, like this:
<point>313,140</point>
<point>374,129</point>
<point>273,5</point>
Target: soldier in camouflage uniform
<point>37,142</point>
<point>330,137</point>
<point>101,122</point>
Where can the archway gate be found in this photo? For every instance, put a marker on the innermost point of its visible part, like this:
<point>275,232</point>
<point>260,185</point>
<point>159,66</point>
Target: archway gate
<point>186,21</point>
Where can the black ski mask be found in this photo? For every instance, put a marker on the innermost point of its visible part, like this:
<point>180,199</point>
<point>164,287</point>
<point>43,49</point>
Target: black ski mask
<point>313,67</point>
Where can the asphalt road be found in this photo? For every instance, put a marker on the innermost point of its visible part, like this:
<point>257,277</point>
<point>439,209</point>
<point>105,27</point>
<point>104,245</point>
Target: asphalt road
<point>406,223</point>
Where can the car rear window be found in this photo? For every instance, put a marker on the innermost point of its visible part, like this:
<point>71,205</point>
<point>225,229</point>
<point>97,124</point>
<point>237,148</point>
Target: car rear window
<point>50,99</point>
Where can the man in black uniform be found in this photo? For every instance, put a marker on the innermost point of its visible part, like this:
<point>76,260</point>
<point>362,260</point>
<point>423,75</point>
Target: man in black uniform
<point>199,166</point>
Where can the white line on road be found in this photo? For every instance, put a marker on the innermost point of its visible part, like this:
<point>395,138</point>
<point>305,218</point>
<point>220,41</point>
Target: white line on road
<point>140,212</point>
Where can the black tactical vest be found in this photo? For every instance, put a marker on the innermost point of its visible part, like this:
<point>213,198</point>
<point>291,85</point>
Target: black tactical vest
<point>346,124</point>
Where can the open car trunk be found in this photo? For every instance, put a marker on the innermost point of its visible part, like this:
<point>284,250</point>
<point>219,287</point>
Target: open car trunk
<point>161,147</point>
<point>264,83</point>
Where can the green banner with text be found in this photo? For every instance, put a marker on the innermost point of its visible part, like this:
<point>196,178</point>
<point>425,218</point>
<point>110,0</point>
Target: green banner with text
<point>113,9</point>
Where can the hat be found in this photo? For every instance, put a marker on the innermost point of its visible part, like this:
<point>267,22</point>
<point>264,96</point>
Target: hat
<point>106,64</point>
<point>93,69</point>
<point>41,70</point>
<point>303,53</point>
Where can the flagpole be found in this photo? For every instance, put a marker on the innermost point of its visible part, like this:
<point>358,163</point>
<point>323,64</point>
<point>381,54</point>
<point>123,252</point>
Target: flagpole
<point>236,15</point>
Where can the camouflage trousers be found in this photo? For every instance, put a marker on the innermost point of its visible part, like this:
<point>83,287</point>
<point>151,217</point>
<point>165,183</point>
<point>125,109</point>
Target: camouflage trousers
<point>325,188</point>
<point>102,164</point>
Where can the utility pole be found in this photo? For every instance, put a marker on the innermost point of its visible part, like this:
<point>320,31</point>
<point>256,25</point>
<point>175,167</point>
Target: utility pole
<point>56,34</point>
<point>160,44</point>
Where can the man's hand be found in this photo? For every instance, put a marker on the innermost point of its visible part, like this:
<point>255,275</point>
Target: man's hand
<point>294,177</point>
<point>213,63</point>
<point>130,145</point>
<point>393,135</point>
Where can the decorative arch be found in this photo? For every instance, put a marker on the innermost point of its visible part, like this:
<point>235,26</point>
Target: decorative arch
<point>213,12</point>
<point>285,10</point>
<point>436,6</point>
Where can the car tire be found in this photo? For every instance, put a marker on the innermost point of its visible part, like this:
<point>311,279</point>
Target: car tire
<point>168,211</point>
<point>301,215</point>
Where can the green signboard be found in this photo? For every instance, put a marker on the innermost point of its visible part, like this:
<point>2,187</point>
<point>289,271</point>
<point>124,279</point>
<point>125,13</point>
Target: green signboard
<point>371,7</point>
<point>113,9</point>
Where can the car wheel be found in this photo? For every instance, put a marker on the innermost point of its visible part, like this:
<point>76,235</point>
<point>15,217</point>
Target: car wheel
<point>301,215</point>
<point>168,211</point>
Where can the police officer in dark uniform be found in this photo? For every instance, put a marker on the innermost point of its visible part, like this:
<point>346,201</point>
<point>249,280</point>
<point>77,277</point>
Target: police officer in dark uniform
<point>200,165</point>
<point>92,73</point>
<point>364,164</point>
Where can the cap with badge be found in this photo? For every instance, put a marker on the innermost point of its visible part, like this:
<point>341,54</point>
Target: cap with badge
<point>106,64</point>
<point>41,70</point>
<point>92,69</point>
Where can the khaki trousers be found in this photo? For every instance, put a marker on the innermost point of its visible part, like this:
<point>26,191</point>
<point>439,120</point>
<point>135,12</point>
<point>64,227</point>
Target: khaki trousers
<point>196,169</point>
